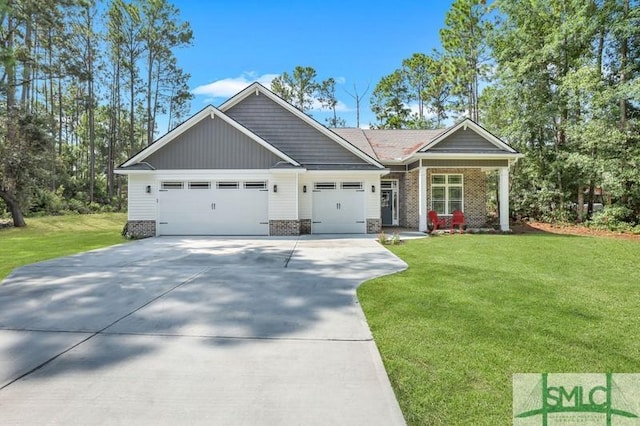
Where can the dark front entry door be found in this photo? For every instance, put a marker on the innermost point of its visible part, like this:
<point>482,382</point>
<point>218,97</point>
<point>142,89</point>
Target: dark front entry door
<point>386,208</point>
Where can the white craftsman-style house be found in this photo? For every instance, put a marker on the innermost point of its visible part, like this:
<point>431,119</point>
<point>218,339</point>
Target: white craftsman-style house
<point>258,166</point>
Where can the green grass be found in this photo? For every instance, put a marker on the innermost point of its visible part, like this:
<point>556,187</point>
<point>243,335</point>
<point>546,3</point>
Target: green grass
<point>53,236</point>
<point>472,310</point>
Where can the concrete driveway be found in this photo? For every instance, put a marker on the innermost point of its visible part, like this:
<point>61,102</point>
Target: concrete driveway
<point>224,331</point>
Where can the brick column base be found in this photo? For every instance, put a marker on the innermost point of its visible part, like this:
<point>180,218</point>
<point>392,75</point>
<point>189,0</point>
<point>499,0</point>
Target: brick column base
<point>374,226</point>
<point>284,227</point>
<point>139,229</point>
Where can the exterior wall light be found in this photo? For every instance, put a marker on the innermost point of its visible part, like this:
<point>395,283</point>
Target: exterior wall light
<point>148,189</point>
<point>275,188</point>
<point>304,188</point>
<point>373,188</point>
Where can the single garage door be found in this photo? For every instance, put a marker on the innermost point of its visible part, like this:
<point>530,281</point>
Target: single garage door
<point>338,208</point>
<point>213,208</point>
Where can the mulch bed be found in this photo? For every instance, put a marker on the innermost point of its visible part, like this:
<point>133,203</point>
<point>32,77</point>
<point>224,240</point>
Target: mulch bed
<point>567,229</point>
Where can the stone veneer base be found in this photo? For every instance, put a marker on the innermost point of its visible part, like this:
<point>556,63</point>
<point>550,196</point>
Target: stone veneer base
<point>140,229</point>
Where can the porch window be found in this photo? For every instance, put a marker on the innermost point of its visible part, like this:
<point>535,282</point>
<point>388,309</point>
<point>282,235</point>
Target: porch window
<point>446,193</point>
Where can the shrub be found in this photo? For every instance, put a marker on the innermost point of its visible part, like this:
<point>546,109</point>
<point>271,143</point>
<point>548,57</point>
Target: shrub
<point>614,218</point>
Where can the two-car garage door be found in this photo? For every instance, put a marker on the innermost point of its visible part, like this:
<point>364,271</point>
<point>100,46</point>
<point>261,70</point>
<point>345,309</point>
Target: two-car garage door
<point>213,208</point>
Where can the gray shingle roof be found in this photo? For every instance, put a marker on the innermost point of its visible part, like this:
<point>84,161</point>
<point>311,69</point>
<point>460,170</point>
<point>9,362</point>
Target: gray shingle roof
<point>388,144</point>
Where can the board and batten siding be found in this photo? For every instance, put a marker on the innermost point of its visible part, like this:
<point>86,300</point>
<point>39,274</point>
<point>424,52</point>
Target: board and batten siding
<point>142,205</point>
<point>289,133</point>
<point>465,141</point>
<point>213,144</point>
<point>283,204</point>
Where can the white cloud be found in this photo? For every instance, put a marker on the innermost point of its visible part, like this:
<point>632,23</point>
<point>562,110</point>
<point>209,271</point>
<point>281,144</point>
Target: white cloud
<point>428,113</point>
<point>340,107</point>
<point>227,87</point>
<point>340,80</point>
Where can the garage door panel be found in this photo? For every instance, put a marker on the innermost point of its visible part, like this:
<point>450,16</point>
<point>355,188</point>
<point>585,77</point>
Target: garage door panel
<point>213,212</point>
<point>338,211</point>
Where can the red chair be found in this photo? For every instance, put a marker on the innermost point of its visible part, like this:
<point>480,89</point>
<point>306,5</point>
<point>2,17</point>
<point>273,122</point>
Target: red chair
<point>435,221</point>
<point>457,219</point>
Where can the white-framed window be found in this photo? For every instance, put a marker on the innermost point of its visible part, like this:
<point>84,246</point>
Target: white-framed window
<point>172,185</point>
<point>324,185</point>
<point>447,193</point>
<point>227,185</point>
<point>199,185</point>
<point>351,185</point>
<point>255,185</point>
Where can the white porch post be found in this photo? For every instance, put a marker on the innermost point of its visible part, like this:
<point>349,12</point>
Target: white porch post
<point>422,199</point>
<point>504,198</point>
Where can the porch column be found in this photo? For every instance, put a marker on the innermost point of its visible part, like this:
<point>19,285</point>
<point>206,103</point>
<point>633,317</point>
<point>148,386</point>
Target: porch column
<point>504,198</point>
<point>422,199</point>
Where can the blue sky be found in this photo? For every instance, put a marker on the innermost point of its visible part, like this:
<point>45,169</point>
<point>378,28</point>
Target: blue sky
<point>355,42</point>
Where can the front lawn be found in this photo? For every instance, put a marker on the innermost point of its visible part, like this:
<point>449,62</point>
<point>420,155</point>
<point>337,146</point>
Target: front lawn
<point>53,236</point>
<point>472,310</point>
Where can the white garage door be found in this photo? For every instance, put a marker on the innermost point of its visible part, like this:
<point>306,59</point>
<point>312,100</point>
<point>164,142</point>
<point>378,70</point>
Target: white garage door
<point>213,208</point>
<point>338,208</point>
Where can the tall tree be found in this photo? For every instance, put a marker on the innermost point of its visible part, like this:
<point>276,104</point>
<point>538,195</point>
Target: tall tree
<point>327,97</point>
<point>388,102</point>
<point>162,32</point>
<point>464,39</point>
<point>357,97</point>
<point>298,88</point>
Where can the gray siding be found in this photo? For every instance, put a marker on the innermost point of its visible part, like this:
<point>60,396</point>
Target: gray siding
<point>464,163</point>
<point>466,141</point>
<point>413,165</point>
<point>212,144</point>
<point>288,133</point>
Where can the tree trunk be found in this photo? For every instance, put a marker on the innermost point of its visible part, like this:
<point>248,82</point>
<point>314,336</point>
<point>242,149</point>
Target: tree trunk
<point>14,208</point>
<point>624,51</point>
<point>132,106</point>
<point>149,85</point>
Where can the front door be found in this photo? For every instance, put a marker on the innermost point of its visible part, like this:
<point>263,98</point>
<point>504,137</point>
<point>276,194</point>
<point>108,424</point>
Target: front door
<point>386,207</point>
<point>389,202</point>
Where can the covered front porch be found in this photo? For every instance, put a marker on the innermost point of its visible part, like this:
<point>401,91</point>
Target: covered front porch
<point>444,186</point>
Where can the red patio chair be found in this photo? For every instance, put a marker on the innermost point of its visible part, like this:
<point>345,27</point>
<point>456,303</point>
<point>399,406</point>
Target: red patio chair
<point>457,219</point>
<point>435,221</point>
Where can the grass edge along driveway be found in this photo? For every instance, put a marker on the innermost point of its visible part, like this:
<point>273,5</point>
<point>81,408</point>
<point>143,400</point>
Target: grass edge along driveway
<point>472,310</point>
<point>53,236</point>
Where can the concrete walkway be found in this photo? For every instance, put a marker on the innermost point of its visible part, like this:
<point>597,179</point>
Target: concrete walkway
<point>228,331</point>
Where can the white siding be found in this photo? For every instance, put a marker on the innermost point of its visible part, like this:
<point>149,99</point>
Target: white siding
<point>304,199</point>
<point>142,205</point>
<point>373,198</point>
<point>283,204</point>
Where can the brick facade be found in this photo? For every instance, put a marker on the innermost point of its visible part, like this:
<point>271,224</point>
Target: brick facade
<point>140,229</point>
<point>411,203</point>
<point>374,226</point>
<point>475,195</point>
<point>284,227</point>
<point>305,226</point>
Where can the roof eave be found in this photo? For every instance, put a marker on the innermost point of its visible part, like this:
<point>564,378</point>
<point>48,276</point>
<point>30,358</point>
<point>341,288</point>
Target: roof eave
<point>464,156</point>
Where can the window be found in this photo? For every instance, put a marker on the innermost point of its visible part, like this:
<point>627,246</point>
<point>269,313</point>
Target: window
<point>172,185</point>
<point>255,185</point>
<point>324,185</point>
<point>227,185</point>
<point>351,185</point>
<point>446,193</point>
<point>199,185</point>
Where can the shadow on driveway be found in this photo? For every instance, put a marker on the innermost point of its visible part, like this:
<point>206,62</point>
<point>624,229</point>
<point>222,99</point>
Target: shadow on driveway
<point>223,311</point>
